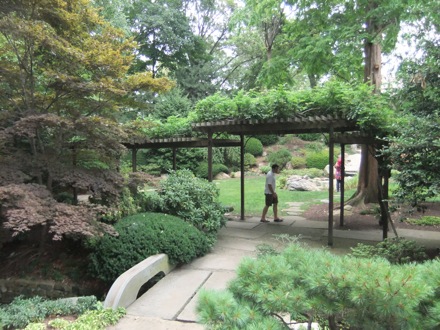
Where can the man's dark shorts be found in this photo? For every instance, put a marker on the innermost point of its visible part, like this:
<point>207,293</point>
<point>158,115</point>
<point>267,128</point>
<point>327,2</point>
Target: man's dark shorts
<point>270,199</point>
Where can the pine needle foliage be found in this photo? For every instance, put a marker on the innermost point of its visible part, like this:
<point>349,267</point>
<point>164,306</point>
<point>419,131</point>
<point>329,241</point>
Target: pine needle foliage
<point>318,286</point>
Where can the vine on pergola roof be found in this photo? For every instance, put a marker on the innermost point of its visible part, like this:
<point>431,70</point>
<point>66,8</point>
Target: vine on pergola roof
<point>353,103</point>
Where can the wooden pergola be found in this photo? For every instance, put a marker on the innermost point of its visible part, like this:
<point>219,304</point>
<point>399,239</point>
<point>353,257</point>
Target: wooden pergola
<point>340,130</point>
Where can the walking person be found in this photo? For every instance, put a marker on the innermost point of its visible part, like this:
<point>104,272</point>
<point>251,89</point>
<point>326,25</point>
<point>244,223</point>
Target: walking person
<point>271,197</point>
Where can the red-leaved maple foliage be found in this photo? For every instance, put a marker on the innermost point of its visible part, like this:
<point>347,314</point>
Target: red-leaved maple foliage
<point>24,206</point>
<point>65,82</point>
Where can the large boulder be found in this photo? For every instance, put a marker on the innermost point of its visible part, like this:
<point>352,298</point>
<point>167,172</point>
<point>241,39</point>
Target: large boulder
<point>305,183</point>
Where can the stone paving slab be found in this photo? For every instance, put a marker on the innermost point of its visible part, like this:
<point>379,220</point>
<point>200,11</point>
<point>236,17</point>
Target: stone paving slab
<point>131,322</point>
<point>168,297</point>
<point>241,224</point>
<point>213,261</point>
<point>217,281</point>
<point>294,209</point>
<point>366,235</point>
<point>243,233</point>
<point>235,243</point>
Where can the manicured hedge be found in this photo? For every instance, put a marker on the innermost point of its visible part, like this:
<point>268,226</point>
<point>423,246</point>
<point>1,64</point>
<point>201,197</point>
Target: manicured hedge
<point>143,235</point>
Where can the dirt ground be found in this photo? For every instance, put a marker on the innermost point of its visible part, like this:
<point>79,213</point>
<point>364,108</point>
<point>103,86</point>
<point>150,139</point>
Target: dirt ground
<point>357,220</point>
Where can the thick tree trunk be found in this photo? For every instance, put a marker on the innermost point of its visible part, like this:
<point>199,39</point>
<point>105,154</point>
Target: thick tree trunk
<point>367,191</point>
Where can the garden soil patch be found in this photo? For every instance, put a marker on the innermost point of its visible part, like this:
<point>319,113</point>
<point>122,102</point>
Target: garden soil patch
<point>357,220</point>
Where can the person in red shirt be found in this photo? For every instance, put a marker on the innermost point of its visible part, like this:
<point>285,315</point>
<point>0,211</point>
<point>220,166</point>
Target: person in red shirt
<point>338,173</point>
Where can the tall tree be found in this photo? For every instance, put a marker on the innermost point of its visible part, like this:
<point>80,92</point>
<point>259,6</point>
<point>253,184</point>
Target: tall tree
<point>415,150</point>
<point>64,75</point>
<point>257,27</point>
<point>163,32</point>
<point>368,27</point>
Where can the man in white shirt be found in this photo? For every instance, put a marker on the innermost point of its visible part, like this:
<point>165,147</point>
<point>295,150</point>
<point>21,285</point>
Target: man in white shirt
<point>271,195</point>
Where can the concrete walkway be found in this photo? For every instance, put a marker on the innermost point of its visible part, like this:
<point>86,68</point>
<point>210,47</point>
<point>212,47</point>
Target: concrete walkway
<point>170,304</point>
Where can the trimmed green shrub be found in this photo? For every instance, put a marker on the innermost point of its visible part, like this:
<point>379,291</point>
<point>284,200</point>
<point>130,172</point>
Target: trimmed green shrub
<point>194,200</point>
<point>268,140</point>
<point>317,159</point>
<point>202,170</point>
<point>141,236</point>
<point>298,162</point>
<point>249,160</point>
<point>280,157</point>
<point>315,146</point>
<point>265,169</point>
<point>310,136</point>
<point>253,146</point>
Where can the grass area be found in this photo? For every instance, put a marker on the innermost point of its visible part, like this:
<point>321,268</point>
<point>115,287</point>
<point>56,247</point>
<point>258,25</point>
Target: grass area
<point>254,196</point>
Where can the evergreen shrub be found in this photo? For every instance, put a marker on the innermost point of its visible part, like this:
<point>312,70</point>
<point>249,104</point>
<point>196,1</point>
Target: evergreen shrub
<point>268,140</point>
<point>141,236</point>
<point>298,162</point>
<point>317,159</point>
<point>249,160</point>
<point>280,157</point>
<point>335,291</point>
<point>265,169</point>
<point>310,136</point>
<point>315,147</point>
<point>254,147</point>
<point>194,200</point>
<point>202,170</point>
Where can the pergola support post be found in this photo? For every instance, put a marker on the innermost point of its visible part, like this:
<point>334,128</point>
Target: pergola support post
<point>341,215</point>
<point>134,159</point>
<point>210,156</point>
<point>331,188</point>
<point>174,159</point>
<point>242,175</point>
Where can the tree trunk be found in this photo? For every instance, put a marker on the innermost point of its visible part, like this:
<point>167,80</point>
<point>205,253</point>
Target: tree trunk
<point>367,190</point>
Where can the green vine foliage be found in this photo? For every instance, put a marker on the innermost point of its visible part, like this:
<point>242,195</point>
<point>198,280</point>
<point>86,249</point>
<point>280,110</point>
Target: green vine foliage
<point>356,102</point>
<point>325,288</point>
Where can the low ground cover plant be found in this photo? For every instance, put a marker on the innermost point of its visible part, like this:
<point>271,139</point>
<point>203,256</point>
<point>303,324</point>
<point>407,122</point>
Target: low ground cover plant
<point>143,235</point>
<point>24,311</point>
<point>396,250</point>
<point>425,221</point>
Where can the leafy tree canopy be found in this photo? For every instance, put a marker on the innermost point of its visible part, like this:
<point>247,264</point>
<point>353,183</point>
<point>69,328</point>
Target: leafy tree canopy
<point>64,81</point>
<point>415,150</point>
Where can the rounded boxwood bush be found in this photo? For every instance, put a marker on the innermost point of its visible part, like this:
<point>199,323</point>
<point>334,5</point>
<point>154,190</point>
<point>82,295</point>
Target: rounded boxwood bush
<point>249,160</point>
<point>254,147</point>
<point>194,200</point>
<point>268,140</point>
<point>141,236</point>
<point>280,157</point>
<point>202,170</point>
<point>298,162</point>
<point>317,159</point>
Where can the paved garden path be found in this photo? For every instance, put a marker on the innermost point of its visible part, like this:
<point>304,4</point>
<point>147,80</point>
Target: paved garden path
<point>170,304</point>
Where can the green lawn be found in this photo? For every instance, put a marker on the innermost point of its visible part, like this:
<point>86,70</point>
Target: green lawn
<point>254,195</point>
